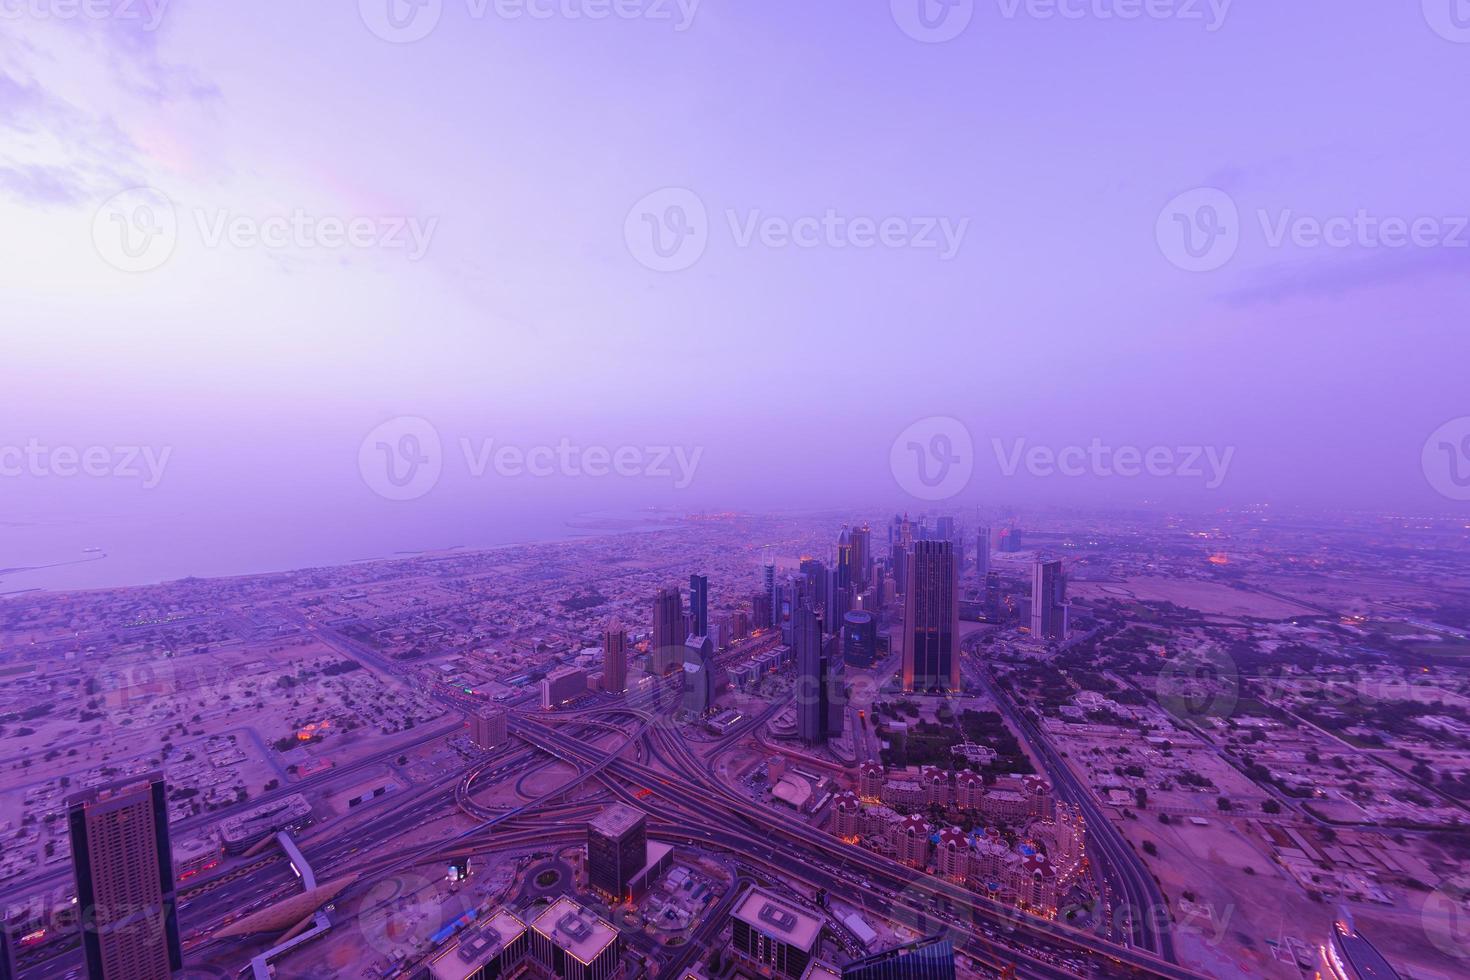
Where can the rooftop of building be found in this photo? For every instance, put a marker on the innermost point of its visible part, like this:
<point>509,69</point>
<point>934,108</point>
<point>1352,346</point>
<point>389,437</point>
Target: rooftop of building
<point>616,820</point>
<point>477,947</point>
<point>781,920</point>
<point>583,935</point>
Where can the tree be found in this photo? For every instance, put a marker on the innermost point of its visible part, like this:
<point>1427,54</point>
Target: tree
<point>1271,806</point>
<point>1224,804</point>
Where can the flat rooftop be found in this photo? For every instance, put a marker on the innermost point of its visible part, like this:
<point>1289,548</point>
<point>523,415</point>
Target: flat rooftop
<point>477,948</point>
<point>579,932</point>
<point>778,919</point>
<point>616,820</point>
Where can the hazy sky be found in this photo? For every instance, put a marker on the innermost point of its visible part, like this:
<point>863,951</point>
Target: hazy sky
<point>1048,146</point>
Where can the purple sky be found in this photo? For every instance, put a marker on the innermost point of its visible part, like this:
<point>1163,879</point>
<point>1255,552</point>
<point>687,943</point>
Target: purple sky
<point>528,319</point>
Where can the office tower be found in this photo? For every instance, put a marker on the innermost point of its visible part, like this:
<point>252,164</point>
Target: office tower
<point>862,556</point>
<point>768,584</point>
<point>699,605</point>
<point>761,616</point>
<point>488,726</point>
<point>811,677</point>
<point>617,849</point>
<point>699,675</point>
<point>833,680</point>
<point>1010,540</point>
<point>844,557</point>
<point>615,658</point>
<point>776,937</point>
<point>838,599</point>
<point>982,554</point>
<point>944,529</point>
<point>563,685</point>
<point>571,943</point>
<point>818,578</point>
<point>992,596</point>
<point>1048,601</point>
<point>922,959</point>
<point>668,631</point>
<point>493,949</point>
<point>931,619</point>
<point>859,639</point>
<point>898,559</point>
<point>125,880</point>
<point>906,533</point>
<point>7,953</point>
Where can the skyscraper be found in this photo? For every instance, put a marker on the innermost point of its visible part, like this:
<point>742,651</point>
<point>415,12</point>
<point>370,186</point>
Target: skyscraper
<point>1048,601</point>
<point>844,558</point>
<point>931,619</point>
<point>699,675</point>
<point>811,677</point>
<point>615,658</point>
<point>699,605</point>
<point>125,880</point>
<point>859,639</point>
<point>982,554</point>
<point>862,556</point>
<point>617,849</point>
<point>768,583</point>
<point>922,959</point>
<point>488,726</point>
<point>668,631</point>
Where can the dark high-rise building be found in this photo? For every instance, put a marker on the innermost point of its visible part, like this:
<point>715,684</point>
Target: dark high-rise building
<point>125,880</point>
<point>668,631</point>
<point>982,554</point>
<point>7,953</point>
<point>615,658</point>
<point>768,583</point>
<point>844,558</point>
<point>944,529</point>
<point>922,959</point>
<point>992,596</point>
<point>931,619</point>
<point>699,675</point>
<point>617,849</point>
<point>779,938</point>
<point>699,605</point>
<point>1048,601</point>
<point>811,677</point>
<point>862,556</point>
<point>760,610</point>
<point>898,559</point>
<point>859,639</point>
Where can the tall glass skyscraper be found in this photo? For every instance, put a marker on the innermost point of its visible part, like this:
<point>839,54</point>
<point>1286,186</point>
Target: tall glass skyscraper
<point>931,619</point>
<point>923,959</point>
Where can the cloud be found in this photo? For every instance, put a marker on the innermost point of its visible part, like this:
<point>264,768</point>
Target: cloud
<point>1339,275</point>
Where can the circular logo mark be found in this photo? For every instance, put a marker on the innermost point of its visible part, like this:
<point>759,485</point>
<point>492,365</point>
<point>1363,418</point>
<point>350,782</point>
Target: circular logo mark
<point>1449,18</point>
<point>1446,459</point>
<point>668,230</point>
<point>1199,230</point>
<point>1446,917</point>
<point>401,21</point>
<point>933,458</point>
<point>401,459</point>
<point>933,21</point>
<point>1199,685</point>
<point>136,231</point>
